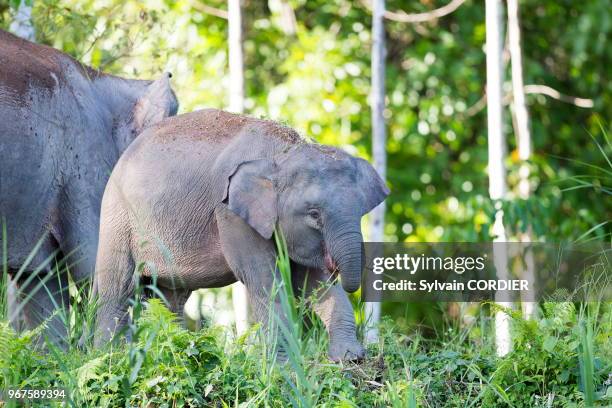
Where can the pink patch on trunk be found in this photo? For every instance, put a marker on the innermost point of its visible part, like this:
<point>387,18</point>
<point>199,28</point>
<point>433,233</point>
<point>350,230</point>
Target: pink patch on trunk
<point>331,265</point>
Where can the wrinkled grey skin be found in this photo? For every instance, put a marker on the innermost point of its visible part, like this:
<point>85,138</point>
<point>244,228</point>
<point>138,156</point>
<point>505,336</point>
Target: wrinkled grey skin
<point>62,128</point>
<point>196,199</point>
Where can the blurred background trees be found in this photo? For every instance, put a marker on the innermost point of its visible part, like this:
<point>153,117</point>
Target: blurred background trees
<point>307,63</point>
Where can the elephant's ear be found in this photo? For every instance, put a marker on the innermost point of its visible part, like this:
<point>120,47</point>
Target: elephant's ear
<point>374,188</point>
<point>250,194</point>
<point>157,102</point>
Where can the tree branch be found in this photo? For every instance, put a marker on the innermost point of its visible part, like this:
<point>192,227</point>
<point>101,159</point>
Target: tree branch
<point>213,11</point>
<point>553,93</point>
<point>477,107</point>
<point>533,89</point>
<point>404,17</point>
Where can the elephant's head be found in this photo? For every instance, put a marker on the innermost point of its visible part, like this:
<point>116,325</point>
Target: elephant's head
<point>154,101</point>
<point>317,196</point>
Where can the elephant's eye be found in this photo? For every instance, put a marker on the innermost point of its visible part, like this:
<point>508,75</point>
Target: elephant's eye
<point>314,214</point>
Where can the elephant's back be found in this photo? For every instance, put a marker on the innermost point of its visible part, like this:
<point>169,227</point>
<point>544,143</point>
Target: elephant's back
<point>219,127</point>
<point>184,162</point>
<point>25,66</point>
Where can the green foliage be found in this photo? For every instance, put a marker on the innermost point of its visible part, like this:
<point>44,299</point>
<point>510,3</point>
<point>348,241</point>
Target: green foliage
<point>561,359</point>
<point>552,356</point>
<point>160,366</point>
<point>554,362</point>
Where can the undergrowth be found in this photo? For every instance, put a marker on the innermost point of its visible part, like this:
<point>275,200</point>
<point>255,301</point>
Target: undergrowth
<point>181,368</point>
<point>561,359</point>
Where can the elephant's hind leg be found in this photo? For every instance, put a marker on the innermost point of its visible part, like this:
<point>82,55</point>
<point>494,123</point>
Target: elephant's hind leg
<point>114,279</point>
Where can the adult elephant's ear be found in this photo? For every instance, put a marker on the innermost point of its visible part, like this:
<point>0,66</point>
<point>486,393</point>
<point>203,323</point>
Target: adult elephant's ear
<point>158,102</point>
<point>373,187</point>
<point>250,194</point>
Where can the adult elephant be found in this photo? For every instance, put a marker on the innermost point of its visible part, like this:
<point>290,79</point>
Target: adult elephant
<point>63,126</point>
<point>196,200</point>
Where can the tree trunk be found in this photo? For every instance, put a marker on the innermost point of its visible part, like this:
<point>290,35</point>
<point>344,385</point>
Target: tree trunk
<point>520,108</point>
<point>379,141</point>
<point>22,24</point>
<point>497,154</point>
<point>521,120</point>
<point>284,14</point>
<point>235,57</point>
<point>236,104</point>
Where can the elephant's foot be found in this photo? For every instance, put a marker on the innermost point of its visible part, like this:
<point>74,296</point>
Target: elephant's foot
<point>341,350</point>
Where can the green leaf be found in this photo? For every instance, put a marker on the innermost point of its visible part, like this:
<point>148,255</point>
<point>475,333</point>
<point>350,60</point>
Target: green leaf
<point>549,343</point>
<point>89,371</point>
<point>154,381</point>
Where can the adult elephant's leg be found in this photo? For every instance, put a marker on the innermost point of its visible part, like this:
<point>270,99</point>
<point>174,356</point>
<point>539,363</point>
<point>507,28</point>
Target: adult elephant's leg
<point>80,226</point>
<point>79,223</point>
<point>44,298</point>
<point>333,307</point>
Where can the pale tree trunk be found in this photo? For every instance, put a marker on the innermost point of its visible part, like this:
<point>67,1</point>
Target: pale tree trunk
<point>21,26</point>
<point>236,58</point>
<point>523,135</point>
<point>497,154</point>
<point>377,217</point>
<point>236,104</point>
<point>520,107</point>
<point>285,15</point>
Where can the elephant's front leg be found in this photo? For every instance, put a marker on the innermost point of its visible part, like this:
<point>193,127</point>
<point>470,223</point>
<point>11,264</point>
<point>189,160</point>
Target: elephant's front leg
<point>252,259</point>
<point>333,307</point>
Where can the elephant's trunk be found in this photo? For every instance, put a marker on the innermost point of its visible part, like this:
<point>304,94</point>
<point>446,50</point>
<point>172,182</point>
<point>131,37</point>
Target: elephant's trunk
<point>344,247</point>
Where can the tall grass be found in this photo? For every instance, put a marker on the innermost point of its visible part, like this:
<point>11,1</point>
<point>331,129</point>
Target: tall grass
<point>305,389</point>
<point>591,322</point>
<point>586,356</point>
<point>588,318</point>
<point>599,179</point>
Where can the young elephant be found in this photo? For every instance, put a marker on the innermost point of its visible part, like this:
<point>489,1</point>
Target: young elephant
<point>209,188</point>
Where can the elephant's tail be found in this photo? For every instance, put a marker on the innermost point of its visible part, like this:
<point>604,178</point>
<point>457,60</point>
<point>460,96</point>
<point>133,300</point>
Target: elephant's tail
<point>94,290</point>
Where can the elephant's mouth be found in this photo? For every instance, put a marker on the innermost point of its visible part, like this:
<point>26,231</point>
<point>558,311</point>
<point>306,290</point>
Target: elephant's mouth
<point>331,266</point>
